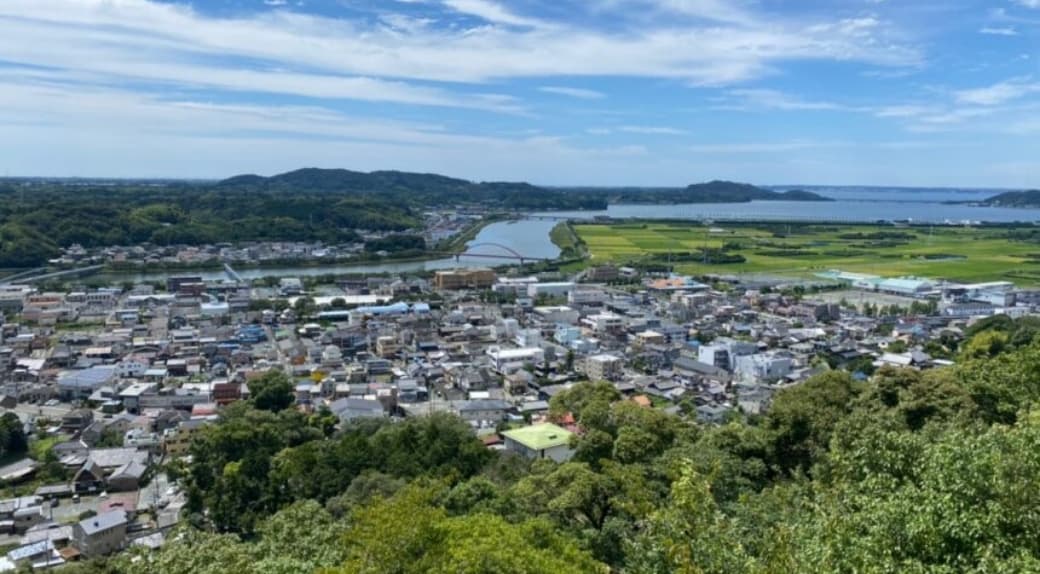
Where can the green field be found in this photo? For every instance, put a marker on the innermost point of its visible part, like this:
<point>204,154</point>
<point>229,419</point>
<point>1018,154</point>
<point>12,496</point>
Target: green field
<point>954,253</point>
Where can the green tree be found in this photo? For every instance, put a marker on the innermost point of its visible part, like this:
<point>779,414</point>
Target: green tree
<point>272,391</point>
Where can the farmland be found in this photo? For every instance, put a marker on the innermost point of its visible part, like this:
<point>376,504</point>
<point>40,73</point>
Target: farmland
<point>798,251</point>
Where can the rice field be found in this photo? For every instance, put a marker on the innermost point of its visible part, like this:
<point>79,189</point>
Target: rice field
<point>799,251</point>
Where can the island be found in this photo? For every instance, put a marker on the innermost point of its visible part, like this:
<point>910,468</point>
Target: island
<point>716,191</point>
<point>1028,198</point>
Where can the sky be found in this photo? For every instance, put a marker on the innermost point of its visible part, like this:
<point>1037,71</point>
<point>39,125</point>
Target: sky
<point>555,92</point>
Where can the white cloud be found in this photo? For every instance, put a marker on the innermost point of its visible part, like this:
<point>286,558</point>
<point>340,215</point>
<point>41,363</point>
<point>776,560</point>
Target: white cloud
<point>995,31</point>
<point>276,2</point>
<point>491,12</point>
<point>162,34</point>
<point>580,93</point>
<point>652,130</point>
<point>903,111</point>
<point>999,93</point>
<point>1028,3</point>
<point>773,99</point>
<point>764,147</point>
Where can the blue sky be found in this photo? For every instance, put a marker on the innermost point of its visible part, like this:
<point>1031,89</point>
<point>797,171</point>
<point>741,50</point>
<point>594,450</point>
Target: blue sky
<point>604,92</point>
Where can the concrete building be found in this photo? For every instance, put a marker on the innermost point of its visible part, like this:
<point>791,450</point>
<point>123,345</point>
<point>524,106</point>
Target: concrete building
<point>502,358</point>
<point>762,368</point>
<point>550,289</point>
<point>464,279</point>
<point>603,367</point>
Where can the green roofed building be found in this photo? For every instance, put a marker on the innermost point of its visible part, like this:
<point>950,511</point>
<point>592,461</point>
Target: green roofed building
<point>540,441</point>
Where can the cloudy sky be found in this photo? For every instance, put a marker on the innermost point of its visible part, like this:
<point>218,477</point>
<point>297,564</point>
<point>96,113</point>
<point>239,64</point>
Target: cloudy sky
<point>606,92</point>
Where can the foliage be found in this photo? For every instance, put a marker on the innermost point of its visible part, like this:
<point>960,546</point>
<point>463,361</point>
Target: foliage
<point>272,391</point>
<point>910,471</point>
<point>12,435</point>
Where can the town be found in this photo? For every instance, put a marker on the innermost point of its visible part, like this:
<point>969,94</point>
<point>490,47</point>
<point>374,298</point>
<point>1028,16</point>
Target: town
<point>104,388</point>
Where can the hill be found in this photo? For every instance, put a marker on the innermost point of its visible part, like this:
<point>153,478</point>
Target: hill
<point>713,192</point>
<point>419,189</point>
<point>1030,198</point>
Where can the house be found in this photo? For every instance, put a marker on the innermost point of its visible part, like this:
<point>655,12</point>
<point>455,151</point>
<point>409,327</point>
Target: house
<point>89,478</point>
<point>33,556</point>
<point>483,410</point>
<point>127,477</point>
<point>177,440</point>
<point>352,409</point>
<point>544,440</point>
<point>102,534</point>
<point>77,420</point>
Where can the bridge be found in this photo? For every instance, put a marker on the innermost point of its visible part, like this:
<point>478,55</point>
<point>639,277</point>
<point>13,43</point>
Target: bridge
<point>58,274</point>
<point>232,274</point>
<point>509,253</point>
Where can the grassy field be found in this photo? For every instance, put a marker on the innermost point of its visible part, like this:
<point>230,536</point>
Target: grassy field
<point>955,253</point>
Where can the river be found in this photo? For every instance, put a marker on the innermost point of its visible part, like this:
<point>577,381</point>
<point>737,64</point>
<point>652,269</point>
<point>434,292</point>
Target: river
<point>527,237</point>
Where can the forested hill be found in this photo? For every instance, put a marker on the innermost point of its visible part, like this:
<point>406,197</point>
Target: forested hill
<point>1029,198</point>
<point>436,189</point>
<point>422,189</point>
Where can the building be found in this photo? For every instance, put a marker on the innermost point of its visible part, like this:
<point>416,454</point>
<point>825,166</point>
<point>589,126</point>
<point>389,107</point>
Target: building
<point>102,534</point>
<point>605,323</point>
<point>550,289</point>
<point>464,279</point>
<point>763,368</point>
<point>502,358</point>
<point>603,367</point>
<point>540,441</point>
<point>560,314</point>
<point>290,286</point>
<point>602,273</point>
<point>79,385</point>
<point>176,284</point>
<point>906,286</point>
<point>676,284</point>
<point>352,409</point>
<point>483,410</point>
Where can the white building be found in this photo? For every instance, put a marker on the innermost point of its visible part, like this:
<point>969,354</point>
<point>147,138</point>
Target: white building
<point>550,289</point>
<point>604,322</point>
<point>503,358</point>
<point>763,368</point>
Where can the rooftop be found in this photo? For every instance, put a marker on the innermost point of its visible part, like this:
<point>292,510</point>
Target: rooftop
<point>540,437</point>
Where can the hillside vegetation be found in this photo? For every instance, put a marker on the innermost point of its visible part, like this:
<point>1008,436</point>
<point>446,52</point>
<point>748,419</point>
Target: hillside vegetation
<point>39,218</point>
<point>925,472</point>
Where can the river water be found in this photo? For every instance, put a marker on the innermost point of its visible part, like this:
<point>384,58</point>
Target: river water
<point>527,237</point>
<point>530,237</point>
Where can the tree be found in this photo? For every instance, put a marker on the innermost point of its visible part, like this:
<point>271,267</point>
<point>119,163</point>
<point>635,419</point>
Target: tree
<point>12,435</point>
<point>272,391</point>
<point>802,418</point>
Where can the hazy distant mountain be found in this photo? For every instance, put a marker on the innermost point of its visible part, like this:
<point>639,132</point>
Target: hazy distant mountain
<point>432,189</point>
<point>713,192</point>
<point>1030,198</point>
